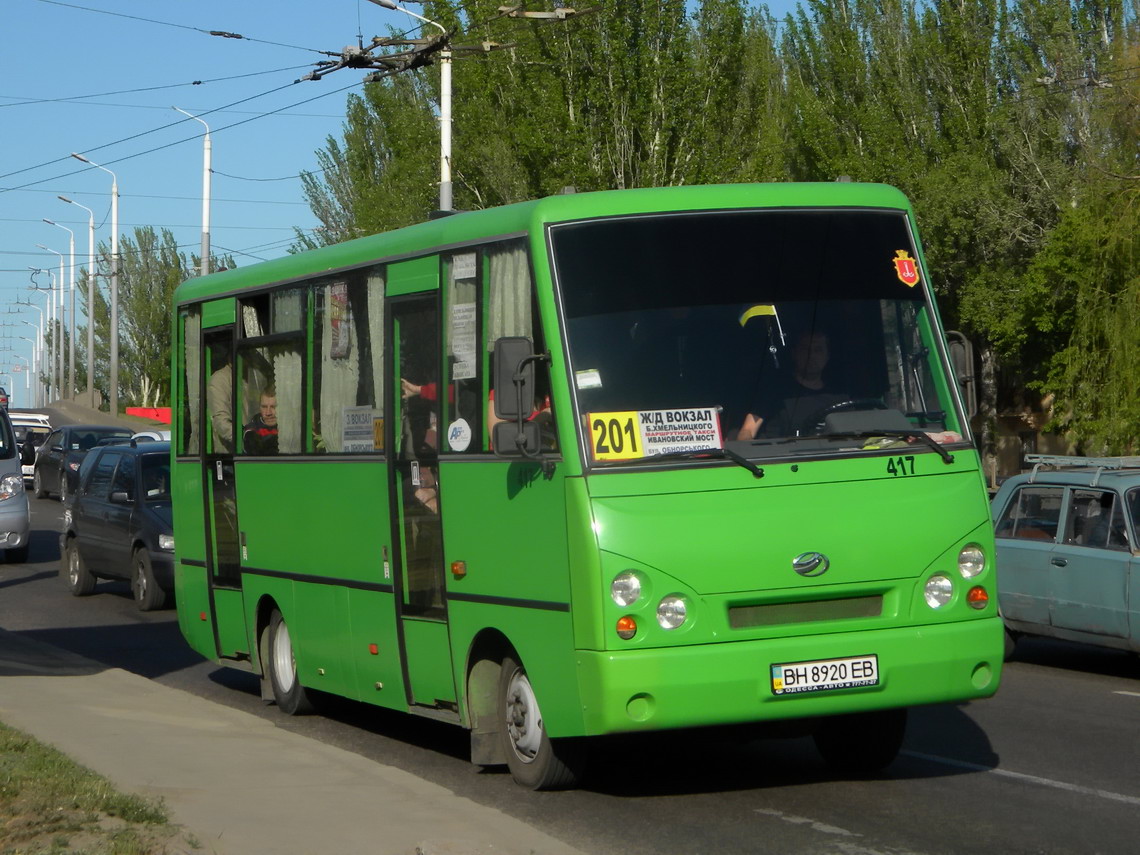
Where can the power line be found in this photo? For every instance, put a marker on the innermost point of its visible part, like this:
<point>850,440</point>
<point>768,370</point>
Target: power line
<point>219,33</point>
<point>29,100</point>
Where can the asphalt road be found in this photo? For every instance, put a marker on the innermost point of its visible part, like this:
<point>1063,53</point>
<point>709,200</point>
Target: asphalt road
<point>1050,765</point>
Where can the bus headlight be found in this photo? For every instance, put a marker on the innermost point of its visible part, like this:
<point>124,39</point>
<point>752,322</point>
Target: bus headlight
<point>625,588</point>
<point>938,591</point>
<point>671,612</point>
<point>971,561</point>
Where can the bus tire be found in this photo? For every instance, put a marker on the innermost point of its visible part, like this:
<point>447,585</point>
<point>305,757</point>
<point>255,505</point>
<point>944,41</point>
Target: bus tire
<point>861,743</point>
<point>288,692</point>
<point>80,581</point>
<point>148,595</point>
<point>536,761</point>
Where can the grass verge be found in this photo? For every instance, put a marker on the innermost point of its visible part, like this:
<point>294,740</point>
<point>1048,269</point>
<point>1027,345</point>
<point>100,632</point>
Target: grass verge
<point>49,804</point>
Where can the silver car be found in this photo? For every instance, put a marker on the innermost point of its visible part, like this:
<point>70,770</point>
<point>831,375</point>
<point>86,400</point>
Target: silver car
<point>15,512</point>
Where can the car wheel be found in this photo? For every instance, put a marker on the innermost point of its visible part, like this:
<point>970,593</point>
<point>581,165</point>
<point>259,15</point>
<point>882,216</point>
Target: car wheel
<point>149,595</point>
<point>535,760</point>
<point>38,484</point>
<point>288,692</point>
<point>861,743</point>
<point>19,555</point>
<point>80,581</point>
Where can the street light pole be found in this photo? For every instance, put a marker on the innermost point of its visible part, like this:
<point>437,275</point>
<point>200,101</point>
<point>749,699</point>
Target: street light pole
<point>90,300</point>
<point>37,349</point>
<point>70,311</point>
<point>54,325</point>
<point>206,151</point>
<point>445,196</point>
<point>114,382</point>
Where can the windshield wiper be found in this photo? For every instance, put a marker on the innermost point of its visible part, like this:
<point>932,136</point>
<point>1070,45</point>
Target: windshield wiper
<point>922,435</point>
<point>700,454</point>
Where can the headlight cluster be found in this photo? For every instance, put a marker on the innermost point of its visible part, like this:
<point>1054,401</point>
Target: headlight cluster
<point>626,591</point>
<point>939,589</point>
<point>166,542</point>
<point>11,486</point>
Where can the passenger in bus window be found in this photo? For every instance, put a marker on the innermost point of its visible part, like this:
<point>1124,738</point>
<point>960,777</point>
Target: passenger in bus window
<point>793,407</point>
<point>219,399</point>
<point>261,432</point>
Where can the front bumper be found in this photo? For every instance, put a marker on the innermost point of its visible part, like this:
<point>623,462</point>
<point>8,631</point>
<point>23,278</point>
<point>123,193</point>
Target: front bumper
<point>15,522</point>
<point>729,683</point>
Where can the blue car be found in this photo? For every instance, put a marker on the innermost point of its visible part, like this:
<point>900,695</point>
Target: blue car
<point>1068,553</point>
<point>118,523</point>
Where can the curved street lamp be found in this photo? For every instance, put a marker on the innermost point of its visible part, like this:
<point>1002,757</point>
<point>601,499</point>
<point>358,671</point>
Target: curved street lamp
<point>55,326</point>
<point>68,311</point>
<point>204,262</point>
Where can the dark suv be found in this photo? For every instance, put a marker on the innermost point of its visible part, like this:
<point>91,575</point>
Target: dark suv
<point>118,523</point>
<point>57,461</point>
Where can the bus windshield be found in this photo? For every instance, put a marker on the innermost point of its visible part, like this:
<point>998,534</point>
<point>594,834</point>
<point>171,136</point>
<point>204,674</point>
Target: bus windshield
<point>770,328</point>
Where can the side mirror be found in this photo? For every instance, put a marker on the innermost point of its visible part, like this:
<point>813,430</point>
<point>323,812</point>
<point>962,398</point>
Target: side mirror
<point>512,439</point>
<point>121,497</point>
<point>514,378</point>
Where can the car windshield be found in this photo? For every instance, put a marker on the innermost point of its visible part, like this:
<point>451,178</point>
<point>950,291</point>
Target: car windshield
<point>763,328</point>
<point>87,438</point>
<point>156,477</point>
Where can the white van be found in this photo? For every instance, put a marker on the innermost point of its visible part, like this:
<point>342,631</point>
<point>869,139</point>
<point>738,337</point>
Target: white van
<point>15,512</point>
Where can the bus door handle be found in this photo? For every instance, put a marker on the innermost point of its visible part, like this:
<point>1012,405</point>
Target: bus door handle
<point>1059,562</point>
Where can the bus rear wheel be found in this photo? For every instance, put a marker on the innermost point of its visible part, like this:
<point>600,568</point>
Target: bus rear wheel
<point>535,760</point>
<point>288,692</point>
<point>861,743</point>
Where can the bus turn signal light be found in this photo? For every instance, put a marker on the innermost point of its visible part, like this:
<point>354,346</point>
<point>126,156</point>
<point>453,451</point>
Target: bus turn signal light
<point>626,628</point>
<point>978,597</point>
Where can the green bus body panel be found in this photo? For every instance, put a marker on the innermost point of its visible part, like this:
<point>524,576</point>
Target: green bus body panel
<point>410,277</point>
<point>428,646</point>
<point>218,313</point>
<point>718,539</point>
<point>729,683</point>
<point>530,573</point>
<point>229,612</point>
<point>192,594</point>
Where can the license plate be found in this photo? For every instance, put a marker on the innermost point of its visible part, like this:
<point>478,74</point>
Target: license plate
<point>791,678</point>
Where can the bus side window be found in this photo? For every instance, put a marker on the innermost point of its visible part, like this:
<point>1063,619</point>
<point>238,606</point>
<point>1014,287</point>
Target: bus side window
<point>512,311</point>
<point>347,412</point>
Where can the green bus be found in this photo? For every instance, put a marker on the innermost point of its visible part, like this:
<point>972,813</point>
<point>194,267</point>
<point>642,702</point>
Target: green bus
<point>593,464</point>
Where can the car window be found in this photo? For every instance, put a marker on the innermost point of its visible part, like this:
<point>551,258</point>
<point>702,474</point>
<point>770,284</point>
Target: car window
<point>156,477</point>
<point>1032,513</point>
<point>99,482</point>
<point>124,480</point>
<point>55,439</point>
<point>1095,519</point>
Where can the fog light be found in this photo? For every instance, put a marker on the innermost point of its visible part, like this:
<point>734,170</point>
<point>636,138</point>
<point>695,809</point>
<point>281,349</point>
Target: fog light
<point>978,597</point>
<point>938,591</point>
<point>626,628</point>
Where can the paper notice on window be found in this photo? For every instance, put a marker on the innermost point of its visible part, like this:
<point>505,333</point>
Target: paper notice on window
<point>463,266</point>
<point>463,347</point>
<point>358,435</point>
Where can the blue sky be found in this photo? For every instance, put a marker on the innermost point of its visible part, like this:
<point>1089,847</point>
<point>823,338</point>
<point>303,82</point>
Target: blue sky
<point>100,77</point>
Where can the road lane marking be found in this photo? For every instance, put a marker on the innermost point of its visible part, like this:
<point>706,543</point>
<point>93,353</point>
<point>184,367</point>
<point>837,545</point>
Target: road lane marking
<point>1130,694</point>
<point>1031,779</point>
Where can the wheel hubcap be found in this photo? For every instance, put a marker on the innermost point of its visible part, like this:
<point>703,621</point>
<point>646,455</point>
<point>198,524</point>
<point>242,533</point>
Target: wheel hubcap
<point>524,722</point>
<point>73,567</point>
<point>140,582</point>
<point>284,666</point>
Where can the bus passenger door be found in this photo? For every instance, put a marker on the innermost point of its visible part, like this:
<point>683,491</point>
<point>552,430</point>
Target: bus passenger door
<point>421,602</point>
<point>220,495</point>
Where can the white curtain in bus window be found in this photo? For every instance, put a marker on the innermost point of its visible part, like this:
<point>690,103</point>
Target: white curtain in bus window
<point>350,379</point>
<point>192,377</point>
<point>290,397</point>
<point>462,405</point>
<point>508,279</point>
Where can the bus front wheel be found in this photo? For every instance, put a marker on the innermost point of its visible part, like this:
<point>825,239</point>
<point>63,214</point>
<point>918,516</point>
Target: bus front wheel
<point>861,743</point>
<point>535,760</point>
<point>288,692</point>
